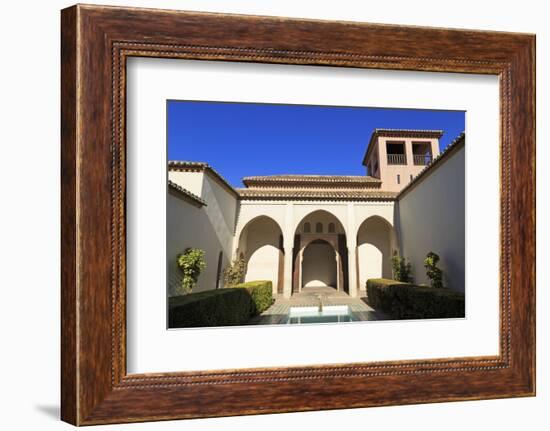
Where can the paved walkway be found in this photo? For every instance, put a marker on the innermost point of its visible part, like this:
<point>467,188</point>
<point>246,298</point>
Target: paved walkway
<point>312,296</point>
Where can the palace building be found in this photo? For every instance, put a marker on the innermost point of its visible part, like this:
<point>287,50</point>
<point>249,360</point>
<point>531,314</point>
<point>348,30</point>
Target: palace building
<point>303,231</point>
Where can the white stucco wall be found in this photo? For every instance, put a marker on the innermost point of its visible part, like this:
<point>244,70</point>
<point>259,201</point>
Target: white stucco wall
<point>347,216</point>
<point>319,265</point>
<point>191,181</point>
<point>324,217</point>
<point>229,225</point>
<point>364,210</point>
<point>424,228</point>
<point>210,228</point>
<point>305,210</point>
<point>260,244</point>
<point>222,206</point>
<point>189,226</point>
<point>249,210</point>
<point>374,250</point>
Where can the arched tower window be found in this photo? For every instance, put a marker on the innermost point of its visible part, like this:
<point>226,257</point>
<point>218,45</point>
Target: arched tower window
<point>307,227</point>
<point>331,228</point>
<point>319,227</point>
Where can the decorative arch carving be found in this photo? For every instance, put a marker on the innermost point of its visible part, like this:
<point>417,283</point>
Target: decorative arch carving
<point>338,222</point>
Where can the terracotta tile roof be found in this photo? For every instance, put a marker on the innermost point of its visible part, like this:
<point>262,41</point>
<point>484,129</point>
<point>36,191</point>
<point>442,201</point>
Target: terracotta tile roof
<point>187,166</point>
<point>178,165</point>
<point>186,193</point>
<point>415,133</point>
<point>293,180</point>
<point>457,143</point>
<point>312,194</point>
<point>400,133</point>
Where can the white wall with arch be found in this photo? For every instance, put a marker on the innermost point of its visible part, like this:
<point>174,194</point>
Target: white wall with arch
<point>260,246</point>
<point>320,220</point>
<point>372,242</point>
<point>249,210</point>
<point>325,213</point>
<point>375,244</point>
<point>364,210</point>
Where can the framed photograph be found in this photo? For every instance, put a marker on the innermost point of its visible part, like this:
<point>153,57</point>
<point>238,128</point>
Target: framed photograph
<point>265,215</point>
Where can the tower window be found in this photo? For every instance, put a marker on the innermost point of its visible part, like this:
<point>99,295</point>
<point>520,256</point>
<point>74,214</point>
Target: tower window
<point>398,179</point>
<point>307,227</point>
<point>319,228</point>
<point>396,153</point>
<point>422,153</point>
<point>331,228</point>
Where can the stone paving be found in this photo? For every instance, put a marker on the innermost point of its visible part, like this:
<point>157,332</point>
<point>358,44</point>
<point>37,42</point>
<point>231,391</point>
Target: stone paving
<point>313,296</point>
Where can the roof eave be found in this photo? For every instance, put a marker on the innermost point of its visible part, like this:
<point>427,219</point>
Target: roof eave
<point>318,198</point>
<point>176,165</point>
<point>405,133</point>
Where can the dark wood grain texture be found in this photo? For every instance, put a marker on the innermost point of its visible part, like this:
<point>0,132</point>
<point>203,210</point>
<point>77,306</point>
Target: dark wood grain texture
<point>95,42</point>
<point>68,217</point>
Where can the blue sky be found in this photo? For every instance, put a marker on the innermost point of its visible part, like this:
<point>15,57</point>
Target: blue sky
<point>244,139</point>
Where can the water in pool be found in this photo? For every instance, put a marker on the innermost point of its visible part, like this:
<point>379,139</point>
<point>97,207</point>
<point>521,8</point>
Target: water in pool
<point>328,314</point>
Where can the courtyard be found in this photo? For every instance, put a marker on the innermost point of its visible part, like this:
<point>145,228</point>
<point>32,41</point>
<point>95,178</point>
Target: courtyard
<point>277,248</point>
<point>319,296</point>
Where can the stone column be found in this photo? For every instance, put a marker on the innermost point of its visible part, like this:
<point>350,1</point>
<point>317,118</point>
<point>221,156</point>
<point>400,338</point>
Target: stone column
<point>352,271</point>
<point>338,258</point>
<point>299,269</point>
<point>288,241</point>
<point>410,159</point>
<point>287,283</point>
<point>351,243</point>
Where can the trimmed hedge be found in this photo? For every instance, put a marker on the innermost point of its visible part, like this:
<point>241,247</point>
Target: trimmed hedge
<point>408,301</point>
<point>220,307</point>
<point>261,293</point>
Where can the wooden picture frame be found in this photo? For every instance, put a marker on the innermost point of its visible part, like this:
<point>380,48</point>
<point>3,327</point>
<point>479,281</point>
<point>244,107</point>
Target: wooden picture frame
<point>95,43</point>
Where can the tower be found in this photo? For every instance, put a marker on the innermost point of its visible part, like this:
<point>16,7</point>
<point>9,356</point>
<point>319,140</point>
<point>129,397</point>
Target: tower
<point>396,156</point>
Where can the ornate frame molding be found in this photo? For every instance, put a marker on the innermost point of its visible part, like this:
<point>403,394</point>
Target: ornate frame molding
<point>96,41</point>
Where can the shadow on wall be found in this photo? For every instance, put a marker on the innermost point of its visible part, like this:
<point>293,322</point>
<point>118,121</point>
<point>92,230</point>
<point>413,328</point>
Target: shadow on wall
<point>374,249</point>
<point>199,232</point>
<point>319,265</point>
<point>260,243</point>
<point>452,266</point>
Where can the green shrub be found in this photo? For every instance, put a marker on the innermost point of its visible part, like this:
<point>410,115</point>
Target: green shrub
<point>379,293</point>
<point>408,301</point>
<point>220,307</point>
<point>192,263</point>
<point>434,273</point>
<point>234,274</point>
<point>423,302</point>
<point>401,268</point>
<point>261,293</point>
